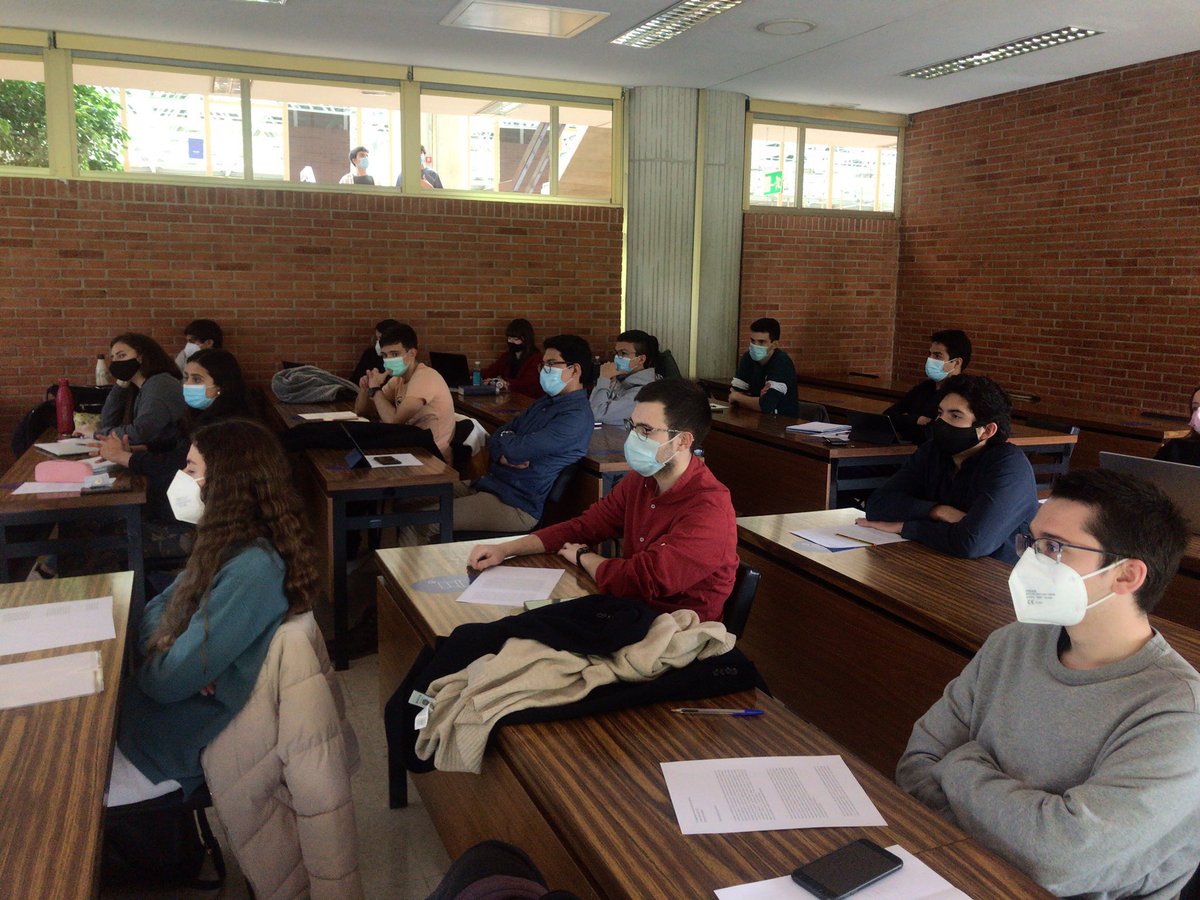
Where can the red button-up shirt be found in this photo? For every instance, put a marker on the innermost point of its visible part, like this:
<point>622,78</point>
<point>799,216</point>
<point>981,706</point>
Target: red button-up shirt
<point>680,547</point>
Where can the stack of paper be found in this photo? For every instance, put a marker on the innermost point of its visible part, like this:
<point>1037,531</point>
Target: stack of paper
<point>66,447</point>
<point>511,586</point>
<point>847,537</point>
<point>345,415</point>
<point>392,459</point>
<point>53,678</point>
<point>46,626</point>
<point>822,428</point>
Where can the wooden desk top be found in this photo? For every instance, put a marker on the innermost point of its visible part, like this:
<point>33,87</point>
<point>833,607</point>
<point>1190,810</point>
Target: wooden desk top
<point>129,489</point>
<point>334,475</point>
<point>55,758</point>
<point>282,416</point>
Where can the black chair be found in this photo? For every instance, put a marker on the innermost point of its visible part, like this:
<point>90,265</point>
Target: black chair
<point>555,496</point>
<point>667,367</point>
<point>127,852</point>
<point>1048,466</point>
<point>737,607</point>
<point>460,453</point>
<point>813,412</point>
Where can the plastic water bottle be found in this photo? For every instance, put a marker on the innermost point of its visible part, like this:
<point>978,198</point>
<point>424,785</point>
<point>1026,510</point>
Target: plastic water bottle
<point>477,374</point>
<point>64,407</point>
<point>101,371</point>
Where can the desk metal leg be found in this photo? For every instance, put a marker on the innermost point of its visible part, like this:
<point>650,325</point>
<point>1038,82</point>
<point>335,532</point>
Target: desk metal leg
<point>341,603</point>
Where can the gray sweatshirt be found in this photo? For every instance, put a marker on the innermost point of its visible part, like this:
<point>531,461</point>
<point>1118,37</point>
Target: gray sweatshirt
<point>613,399</point>
<point>157,410</point>
<point>1089,781</point>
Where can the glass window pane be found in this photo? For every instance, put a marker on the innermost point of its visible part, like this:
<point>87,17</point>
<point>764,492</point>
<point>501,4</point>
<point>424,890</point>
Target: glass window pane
<point>23,113</point>
<point>484,144</point>
<point>304,131</point>
<point>849,170</point>
<point>773,165</point>
<point>178,123</point>
<point>585,153</point>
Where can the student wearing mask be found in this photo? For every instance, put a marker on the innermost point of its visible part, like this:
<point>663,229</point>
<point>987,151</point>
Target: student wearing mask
<point>766,376</point>
<point>680,535</point>
<point>206,636</point>
<point>966,491</point>
<point>1185,450</point>
<point>407,392</point>
<point>528,453</point>
<point>1069,744</point>
<point>372,357</point>
<point>517,368</point>
<point>360,159</point>
<point>200,334</point>
<point>635,357</point>
<point>146,405</point>
<point>949,354</point>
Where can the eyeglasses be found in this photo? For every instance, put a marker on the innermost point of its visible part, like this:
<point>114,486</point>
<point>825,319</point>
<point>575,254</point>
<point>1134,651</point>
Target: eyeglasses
<point>1050,547</point>
<point>644,431</point>
<point>547,366</point>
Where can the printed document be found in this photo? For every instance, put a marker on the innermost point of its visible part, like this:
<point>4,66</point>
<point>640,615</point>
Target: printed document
<point>67,447</point>
<point>52,678</point>
<point>345,415</point>
<point>511,586</point>
<point>822,428</point>
<point>847,537</point>
<point>49,487</point>
<point>45,626</point>
<point>383,460</point>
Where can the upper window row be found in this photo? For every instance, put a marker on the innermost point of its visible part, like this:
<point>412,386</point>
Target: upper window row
<point>181,122</point>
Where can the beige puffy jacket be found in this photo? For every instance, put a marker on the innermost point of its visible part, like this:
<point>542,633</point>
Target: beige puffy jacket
<point>279,774</point>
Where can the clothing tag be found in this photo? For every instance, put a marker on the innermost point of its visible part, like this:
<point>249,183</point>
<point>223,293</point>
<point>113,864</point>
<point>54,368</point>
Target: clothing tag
<point>419,699</point>
<point>422,719</point>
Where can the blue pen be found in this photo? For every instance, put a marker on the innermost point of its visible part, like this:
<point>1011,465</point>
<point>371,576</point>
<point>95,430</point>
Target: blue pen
<point>709,711</point>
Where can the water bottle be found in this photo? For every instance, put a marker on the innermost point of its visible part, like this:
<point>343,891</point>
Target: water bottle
<point>64,407</point>
<point>101,371</point>
<point>477,374</point>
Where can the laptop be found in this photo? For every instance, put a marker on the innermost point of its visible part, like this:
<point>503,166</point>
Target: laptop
<point>873,428</point>
<point>1178,481</point>
<point>451,366</point>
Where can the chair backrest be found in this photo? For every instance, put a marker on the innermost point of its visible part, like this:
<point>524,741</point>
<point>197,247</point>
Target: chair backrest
<point>1049,465</point>
<point>459,451</point>
<point>814,412</point>
<point>667,367</point>
<point>737,607</point>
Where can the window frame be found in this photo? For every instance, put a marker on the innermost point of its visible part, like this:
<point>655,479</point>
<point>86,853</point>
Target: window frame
<point>13,46</point>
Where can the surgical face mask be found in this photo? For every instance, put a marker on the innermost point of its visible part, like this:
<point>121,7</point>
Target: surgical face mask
<point>1195,422</point>
<point>396,365</point>
<point>1046,592</point>
<point>196,396</point>
<point>642,455</point>
<point>623,363</point>
<point>184,497</point>
<point>552,381</point>
<point>124,369</point>
<point>190,349</point>
<point>951,439</point>
<point>362,161</point>
<point>758,353</point>
<point>934,370</point>
<point>378,349</point>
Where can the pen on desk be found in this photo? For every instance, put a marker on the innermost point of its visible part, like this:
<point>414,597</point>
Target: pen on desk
<point>709,711</point>
<point>850,538</point>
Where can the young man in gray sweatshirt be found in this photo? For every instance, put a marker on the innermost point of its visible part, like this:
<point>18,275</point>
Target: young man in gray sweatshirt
<point>1070,744</point>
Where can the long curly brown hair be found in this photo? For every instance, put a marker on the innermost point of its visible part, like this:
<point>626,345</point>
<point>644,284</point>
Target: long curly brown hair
<point>248,496</point>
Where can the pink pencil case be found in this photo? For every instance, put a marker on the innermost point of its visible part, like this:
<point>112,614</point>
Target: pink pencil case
<point>62,471</point>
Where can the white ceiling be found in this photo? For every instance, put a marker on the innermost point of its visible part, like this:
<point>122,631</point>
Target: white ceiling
<point>850,59</point>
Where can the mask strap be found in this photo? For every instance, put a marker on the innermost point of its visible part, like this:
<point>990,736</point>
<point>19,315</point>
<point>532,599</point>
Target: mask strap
<point>1110,594</point>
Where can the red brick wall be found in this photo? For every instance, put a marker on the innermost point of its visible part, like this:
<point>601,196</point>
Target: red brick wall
<point>831,283</point>
<point>1060,225</point>
<point>293,275</point>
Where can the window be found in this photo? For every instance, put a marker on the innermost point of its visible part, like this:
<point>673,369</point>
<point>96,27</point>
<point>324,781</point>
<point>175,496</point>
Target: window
<point>23,113</point>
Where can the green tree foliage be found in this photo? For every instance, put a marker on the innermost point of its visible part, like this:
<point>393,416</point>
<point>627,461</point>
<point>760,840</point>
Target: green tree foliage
<point>102,140</point>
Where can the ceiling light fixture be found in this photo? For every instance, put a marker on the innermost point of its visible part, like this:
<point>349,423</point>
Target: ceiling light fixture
<point>522,18</point>
<point>785,27</point>
<point>673,21</point>
<point>1003,51</point>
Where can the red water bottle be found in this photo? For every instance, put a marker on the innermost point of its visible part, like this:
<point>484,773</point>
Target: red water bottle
<point>64,405</point>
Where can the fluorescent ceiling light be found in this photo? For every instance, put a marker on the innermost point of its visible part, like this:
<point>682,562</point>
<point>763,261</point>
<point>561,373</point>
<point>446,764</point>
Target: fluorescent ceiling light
<point>673,21</point>
<point>497,108</point>
<point>1003,51</point>
<point>522,18</point>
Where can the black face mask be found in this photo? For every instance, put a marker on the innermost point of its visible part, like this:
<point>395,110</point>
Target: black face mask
<point>952,440</point>
<point>124,369</point>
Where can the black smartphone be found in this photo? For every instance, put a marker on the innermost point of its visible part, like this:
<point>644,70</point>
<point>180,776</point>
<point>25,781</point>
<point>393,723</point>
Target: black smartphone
<point>837,441</point>
<point>847,870</point>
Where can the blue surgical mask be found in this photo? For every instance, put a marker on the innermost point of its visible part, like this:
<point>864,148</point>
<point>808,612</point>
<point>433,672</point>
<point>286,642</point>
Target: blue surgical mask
<point>758,353</point>
<point>196,396</point>
<point>642,455</point>
<point>395,365</point>
<point>552,382</point>
<point>623,363</point>
<point>362,162</point>
<point>934,370</point>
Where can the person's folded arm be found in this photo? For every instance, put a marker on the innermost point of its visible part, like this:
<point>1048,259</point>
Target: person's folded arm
<point>905,495</point>
<point>560,432</point>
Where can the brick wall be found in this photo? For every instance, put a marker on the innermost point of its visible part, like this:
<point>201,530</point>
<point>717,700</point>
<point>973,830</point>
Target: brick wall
<point>294,275</point>
<point>831,283</point>
<point>1060,225</point>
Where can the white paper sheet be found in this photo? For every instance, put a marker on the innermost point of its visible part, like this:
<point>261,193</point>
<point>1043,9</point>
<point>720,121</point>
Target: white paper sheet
<point>53,678</point>
<point>344,415</point>
<point>511,586</point>
<point>766,793</point>
<point>49,487</point>
<point>916,881</point>
<point>66,447</point>
<point>385,460</point>
<point>819,428</point>
<point>48,625</point>
<point>847,537</point>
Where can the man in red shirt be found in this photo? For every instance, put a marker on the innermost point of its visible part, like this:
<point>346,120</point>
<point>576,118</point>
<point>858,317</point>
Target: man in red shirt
<point>676,519</point>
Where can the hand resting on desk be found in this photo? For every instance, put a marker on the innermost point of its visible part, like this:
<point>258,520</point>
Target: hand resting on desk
<point>889,527</point>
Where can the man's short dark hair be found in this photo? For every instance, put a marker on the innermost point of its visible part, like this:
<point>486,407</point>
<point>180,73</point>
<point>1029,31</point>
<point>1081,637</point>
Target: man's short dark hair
<point>643,345</point>
<point>988,401</point>
<point>205,330</point>
<point>770,326</point>
<point>399,334</point>
<point>357,150</point>
<point>384,324</point>
<point>1130,519</point>
<point>574,349</point>
<point>957,344</point>
<point>685,406</point>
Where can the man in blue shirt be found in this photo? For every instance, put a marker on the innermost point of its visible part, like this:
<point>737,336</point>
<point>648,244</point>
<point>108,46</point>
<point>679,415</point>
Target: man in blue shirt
<point>766,377</point>
<point>528,453</point>
<point>966,491</point>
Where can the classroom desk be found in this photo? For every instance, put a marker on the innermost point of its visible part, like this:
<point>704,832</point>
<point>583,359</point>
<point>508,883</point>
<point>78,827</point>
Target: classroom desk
<point>862,642</point>
<point>122,505</point>
<point>55,758</point>
<point>280,416</point>
<point>1181,603</point>
<point>586,797</point>
<point>769,470</point>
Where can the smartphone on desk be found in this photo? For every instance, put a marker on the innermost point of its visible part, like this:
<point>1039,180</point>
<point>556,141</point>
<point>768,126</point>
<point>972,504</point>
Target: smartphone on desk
<point>847,870</point>
<point>837,441</point>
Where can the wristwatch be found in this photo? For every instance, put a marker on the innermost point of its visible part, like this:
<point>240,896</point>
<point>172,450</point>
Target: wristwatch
<point>579,555</point>
<point>371,392</point>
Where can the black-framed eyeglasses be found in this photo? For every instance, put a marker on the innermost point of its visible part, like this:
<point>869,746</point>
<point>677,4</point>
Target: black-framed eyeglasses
<point>644,431</point>
<point>1050,547</point>
<point>547,366</point>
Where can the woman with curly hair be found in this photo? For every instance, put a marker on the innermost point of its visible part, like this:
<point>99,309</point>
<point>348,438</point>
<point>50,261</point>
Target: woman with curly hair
<point>205,637</point>
<point>146,405</point>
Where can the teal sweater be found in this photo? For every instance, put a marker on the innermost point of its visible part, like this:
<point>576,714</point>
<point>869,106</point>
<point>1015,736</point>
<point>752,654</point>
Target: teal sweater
<point>165,720</point>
